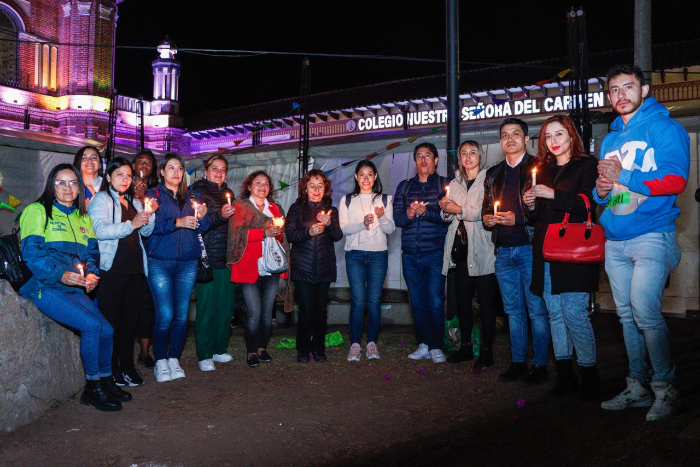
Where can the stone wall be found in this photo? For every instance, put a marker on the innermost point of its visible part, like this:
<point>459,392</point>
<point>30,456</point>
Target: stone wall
<point>39,361</point>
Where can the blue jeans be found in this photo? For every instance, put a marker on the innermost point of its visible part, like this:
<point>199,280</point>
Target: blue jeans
<point>77,311</point>
<point>366,273</point>
<point>171,283</point>
<point>637,270</point>
<point>570,324</point>
<point>514,274</point>
<point>426,288</point>
<point>259,302</point>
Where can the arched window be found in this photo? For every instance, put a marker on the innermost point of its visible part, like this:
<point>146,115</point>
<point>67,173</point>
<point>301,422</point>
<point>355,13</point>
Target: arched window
<point>8,48</point>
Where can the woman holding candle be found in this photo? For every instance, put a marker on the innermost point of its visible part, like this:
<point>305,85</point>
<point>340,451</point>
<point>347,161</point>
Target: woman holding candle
<point>88,161</point>
<point>564,171</point>
<point>312,228</point>
<point>59,247</point>
<point>257,220</point>
<point>469,249</point>
<point>366,218</point>
<point>173,250</point>
<point>215,298</point>
<point>119,221</point>
<point>145,176</point>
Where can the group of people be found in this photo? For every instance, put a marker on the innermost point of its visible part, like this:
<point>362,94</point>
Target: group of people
<point>132,239</point>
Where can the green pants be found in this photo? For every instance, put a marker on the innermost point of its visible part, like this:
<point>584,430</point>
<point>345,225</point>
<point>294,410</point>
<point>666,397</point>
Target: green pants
<point>214,314</point>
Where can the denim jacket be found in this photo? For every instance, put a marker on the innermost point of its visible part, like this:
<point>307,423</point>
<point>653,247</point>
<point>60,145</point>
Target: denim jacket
<point>106,213</point>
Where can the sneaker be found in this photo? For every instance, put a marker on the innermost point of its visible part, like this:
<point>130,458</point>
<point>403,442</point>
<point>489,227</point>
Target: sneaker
<point>667,401</point>
<point>372,351</point>
<point>437,356</point>
<point>538,374</point>
<point>162,371</point>
<point>253,361</point>
<point>176,371</point>
<point>319,357</point>
<point>303,358</point>
<point>222,357</point>
<point>635,395</point>
<point>132,378</point>
<point>146,361</point>
<point>118,378</point>
<point>420,353</point>
<point>355,353</point>
<point>514,372</point>
<point>264,357</point>
<point>206,365</point>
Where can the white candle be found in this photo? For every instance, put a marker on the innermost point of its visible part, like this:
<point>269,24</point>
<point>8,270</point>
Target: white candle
<point>228,198</point>
<point>141,172</point>
<point>495,207</point>
<point>82,271</point>
<point>534,177</point>
<point>448,191</point>
<point>278,221</point>
<point>146,204</point>
<point>195,209</point>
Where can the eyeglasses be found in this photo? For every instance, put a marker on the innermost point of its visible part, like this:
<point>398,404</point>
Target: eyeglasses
<point>215,170</point>
<point>64,185</point>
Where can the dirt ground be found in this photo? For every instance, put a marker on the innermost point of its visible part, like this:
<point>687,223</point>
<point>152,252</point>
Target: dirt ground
<point>393,411</point>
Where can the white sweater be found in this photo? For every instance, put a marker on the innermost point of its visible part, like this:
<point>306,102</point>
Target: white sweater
<point>352,218</point>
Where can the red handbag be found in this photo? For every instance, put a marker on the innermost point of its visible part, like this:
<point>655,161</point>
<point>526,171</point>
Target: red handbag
<point>578,243</point>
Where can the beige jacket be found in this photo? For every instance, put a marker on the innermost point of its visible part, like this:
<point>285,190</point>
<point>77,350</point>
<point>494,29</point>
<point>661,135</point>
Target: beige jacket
<point>481,258</point>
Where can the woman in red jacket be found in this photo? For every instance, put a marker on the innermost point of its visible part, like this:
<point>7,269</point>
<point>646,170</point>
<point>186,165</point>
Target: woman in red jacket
<point>249,228</point>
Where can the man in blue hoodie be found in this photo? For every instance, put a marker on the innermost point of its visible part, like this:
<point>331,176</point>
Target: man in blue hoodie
<point>644,166</point>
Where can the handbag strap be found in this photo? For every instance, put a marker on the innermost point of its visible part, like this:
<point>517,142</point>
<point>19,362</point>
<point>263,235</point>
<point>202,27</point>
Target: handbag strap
<point>589,222</point>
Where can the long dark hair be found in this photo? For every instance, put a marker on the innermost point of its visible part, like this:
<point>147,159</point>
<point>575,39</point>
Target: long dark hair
<point>113,165</point>
<point>49,195</point>
<point>78,159</point>
<point>303,192</point>
<point>459,168</point>
<point>244,192</point>
<point>182,188</point>
<point>376,188</point>
<point>152,179</point>
<point>544,157</point>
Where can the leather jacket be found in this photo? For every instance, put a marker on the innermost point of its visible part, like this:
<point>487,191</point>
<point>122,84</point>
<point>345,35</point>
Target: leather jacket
<point>493,190</point>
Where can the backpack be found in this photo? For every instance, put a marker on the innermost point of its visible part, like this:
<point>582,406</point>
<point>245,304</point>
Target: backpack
<point>12,268</point>
<point>348,198</point>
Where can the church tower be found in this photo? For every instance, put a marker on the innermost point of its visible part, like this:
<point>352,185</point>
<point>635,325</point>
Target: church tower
<point>166,79</point>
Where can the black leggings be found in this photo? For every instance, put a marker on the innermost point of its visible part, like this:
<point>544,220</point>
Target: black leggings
<point>465,286</point>
<point>313,316</point>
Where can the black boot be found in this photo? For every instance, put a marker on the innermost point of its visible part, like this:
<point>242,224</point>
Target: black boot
<point>115,392</point>
<point>590,384</point>
<point>567,381</point>
<point>484,361</point>
<point>463,354</point>
<point>96,396</point>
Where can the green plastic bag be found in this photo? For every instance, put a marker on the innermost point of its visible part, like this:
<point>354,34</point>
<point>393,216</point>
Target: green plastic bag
<point>287,343</point>
<point>453,338</point>
<point>333,339</point>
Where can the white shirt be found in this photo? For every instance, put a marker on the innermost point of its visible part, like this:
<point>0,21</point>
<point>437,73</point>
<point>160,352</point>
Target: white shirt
<point>352,222</point>
<point>520,159</point>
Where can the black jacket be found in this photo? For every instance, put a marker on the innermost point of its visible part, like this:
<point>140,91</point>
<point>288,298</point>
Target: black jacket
<point>577,176</point>
<point>312,258</point>
<point>493,190</point>
<point>215,239</point>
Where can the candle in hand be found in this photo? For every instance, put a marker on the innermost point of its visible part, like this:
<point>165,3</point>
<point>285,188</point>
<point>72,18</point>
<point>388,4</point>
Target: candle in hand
<point>146,205</point>
<point>495,207</point>
<point>195,209</point>
<point>228,198</point>
<point>447,190</point>
<point>141,173</point>
<point>81,269</point>
<point>278,221</point>
<point>534,177</point>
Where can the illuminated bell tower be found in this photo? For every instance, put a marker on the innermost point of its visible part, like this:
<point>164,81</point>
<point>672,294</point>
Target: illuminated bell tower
<point>166,79</point>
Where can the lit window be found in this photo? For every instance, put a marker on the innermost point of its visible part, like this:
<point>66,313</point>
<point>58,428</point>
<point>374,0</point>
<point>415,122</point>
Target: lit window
<point>45,64</point>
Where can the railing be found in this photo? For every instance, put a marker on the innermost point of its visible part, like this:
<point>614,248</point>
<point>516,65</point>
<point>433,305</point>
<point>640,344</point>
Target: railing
<point>676,92</point>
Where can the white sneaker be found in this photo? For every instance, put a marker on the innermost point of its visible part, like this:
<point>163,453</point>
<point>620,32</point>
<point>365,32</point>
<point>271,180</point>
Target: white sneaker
<point>372,351</point>
<point>355,353</point>
<point>162,372</point>
<point>437,356</point>
<point>207,365</point>
<point>666,403</point>
<point>176,371</point>
<point>222,357</point>
<point>420,353</point>
<point>635,395</point>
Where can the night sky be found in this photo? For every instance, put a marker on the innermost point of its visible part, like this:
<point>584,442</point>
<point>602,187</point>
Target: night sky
<point>492,32</point>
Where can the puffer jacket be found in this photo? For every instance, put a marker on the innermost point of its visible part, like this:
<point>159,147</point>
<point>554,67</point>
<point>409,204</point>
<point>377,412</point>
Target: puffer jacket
<point>204,191</point>
<point>493,189</point>
<point>422,234</point>
<point>51,249</point>
<point>167,242</point>
<point>312,258</point>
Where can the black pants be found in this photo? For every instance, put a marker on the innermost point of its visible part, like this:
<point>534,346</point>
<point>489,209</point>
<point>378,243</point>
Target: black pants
<point>147,316</point>
<point>313,316</point>
<point>465,286</point>
<point>120,299</point>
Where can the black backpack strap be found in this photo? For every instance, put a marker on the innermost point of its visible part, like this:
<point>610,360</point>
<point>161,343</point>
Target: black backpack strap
<point>385,199</point>
<point>405,189</point>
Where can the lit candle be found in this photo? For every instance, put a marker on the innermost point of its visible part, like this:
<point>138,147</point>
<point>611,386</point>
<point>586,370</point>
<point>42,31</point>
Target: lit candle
<point>534,177</point>
<point>448,191</point>
<point>278,221</point>
<point>141,172</point>
<point>228,198</point>
<point>146,204</point>
<point>195,209</point>
<point>82,271</point>
<point>495,207</point>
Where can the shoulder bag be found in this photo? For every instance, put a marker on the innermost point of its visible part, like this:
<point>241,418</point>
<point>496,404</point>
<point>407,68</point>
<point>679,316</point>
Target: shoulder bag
<point>577,243</point>
<point>274,257</point>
